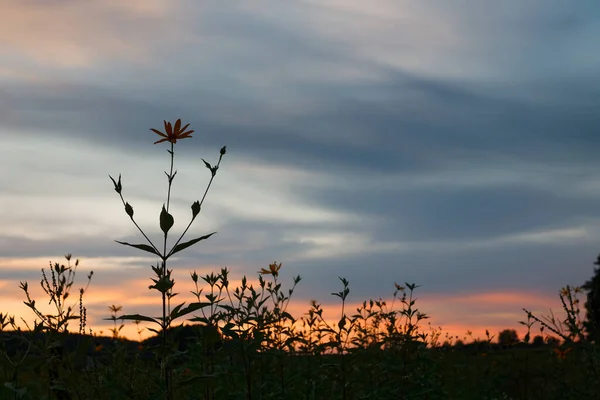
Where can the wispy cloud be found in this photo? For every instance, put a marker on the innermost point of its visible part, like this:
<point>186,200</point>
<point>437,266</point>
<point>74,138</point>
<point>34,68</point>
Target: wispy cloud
<point>451,145</point>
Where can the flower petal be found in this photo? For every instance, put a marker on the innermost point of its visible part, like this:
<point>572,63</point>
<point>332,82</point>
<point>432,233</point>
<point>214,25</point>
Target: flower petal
<point>158,132</point>
<point>184,128</point>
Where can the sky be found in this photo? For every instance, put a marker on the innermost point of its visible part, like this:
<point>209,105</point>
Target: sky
<point>451,144</point>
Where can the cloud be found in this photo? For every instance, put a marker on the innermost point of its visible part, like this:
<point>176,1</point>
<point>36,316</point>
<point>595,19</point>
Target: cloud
<point>447,145</point>
<point>71,34</point>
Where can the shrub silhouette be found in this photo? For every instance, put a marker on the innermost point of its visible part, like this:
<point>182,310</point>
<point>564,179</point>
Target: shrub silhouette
<point>538,340</point>
<point>592,305</point>
<point>508,337</point>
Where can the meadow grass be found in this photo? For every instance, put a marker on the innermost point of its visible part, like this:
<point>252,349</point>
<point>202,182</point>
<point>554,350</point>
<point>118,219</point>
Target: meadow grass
<point>244,344</point>
<point>240,342</point>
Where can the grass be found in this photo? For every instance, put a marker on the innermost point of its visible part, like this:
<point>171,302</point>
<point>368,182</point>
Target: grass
<point>240,342</point>
<point>243,344</point>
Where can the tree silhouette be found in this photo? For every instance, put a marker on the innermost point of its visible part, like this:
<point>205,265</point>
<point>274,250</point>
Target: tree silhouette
<point>552,341</point>
<point>591,324</point>
<point>538,340</point>
<point>508,337</point>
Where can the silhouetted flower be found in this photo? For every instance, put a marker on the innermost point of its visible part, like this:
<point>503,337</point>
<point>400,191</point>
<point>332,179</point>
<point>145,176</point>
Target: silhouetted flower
<point>273,269</point>
<point>171,133</point>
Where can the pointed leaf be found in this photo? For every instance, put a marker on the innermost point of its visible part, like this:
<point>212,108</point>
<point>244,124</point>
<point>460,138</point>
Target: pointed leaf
<point>189,309</point>
<point>200,319</point>
<point>176,310</point>
<point>144,247</point>
<point>154,330</point>
<point>185,245</point>
<point>136,317</point>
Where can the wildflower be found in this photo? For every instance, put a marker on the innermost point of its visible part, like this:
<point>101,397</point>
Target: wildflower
<point>562,354</point>
<point>273,269</point>
<point>171,133</point>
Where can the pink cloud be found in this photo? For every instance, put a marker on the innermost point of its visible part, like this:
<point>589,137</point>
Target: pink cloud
<point>78,34</point>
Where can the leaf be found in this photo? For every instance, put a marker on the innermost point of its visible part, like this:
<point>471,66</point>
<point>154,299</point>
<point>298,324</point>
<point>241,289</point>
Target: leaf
<point>166,220</point>
<point>176,310</point>
<point>136,317</point>
<point>154,330</point>
<point>189,309</point>
<point>200,319</point>
<point>185,245</point>
<point>144,247</point>
<point>286,315</point>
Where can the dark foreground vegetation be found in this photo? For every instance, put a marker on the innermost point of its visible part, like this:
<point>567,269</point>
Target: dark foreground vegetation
<point>242,344</point>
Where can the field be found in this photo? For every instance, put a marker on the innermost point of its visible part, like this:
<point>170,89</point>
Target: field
<point>242,344</point>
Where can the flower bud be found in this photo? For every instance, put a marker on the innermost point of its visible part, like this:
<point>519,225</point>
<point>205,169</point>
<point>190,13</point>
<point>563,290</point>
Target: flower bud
<point>118,186</point>
<point>166,220</point>
<point>129,210</point>
<point>195,209</point>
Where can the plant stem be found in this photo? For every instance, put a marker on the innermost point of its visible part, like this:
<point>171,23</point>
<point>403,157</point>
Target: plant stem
<point>140,229</point>
<point>165,295</point>
<point>172,152</point>
<point>201,201</point>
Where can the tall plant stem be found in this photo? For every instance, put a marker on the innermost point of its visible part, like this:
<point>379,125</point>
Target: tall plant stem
<point>165,295</point>
<point>170,176</point>
<point>164,265</point>
<point>201,201</point>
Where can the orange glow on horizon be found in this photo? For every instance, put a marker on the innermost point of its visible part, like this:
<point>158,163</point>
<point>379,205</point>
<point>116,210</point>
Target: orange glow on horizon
<point>331,313</point>
<point>456,314</point>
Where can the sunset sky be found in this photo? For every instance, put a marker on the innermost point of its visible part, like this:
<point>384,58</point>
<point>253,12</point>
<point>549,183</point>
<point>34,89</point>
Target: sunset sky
<point>453,144</point>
